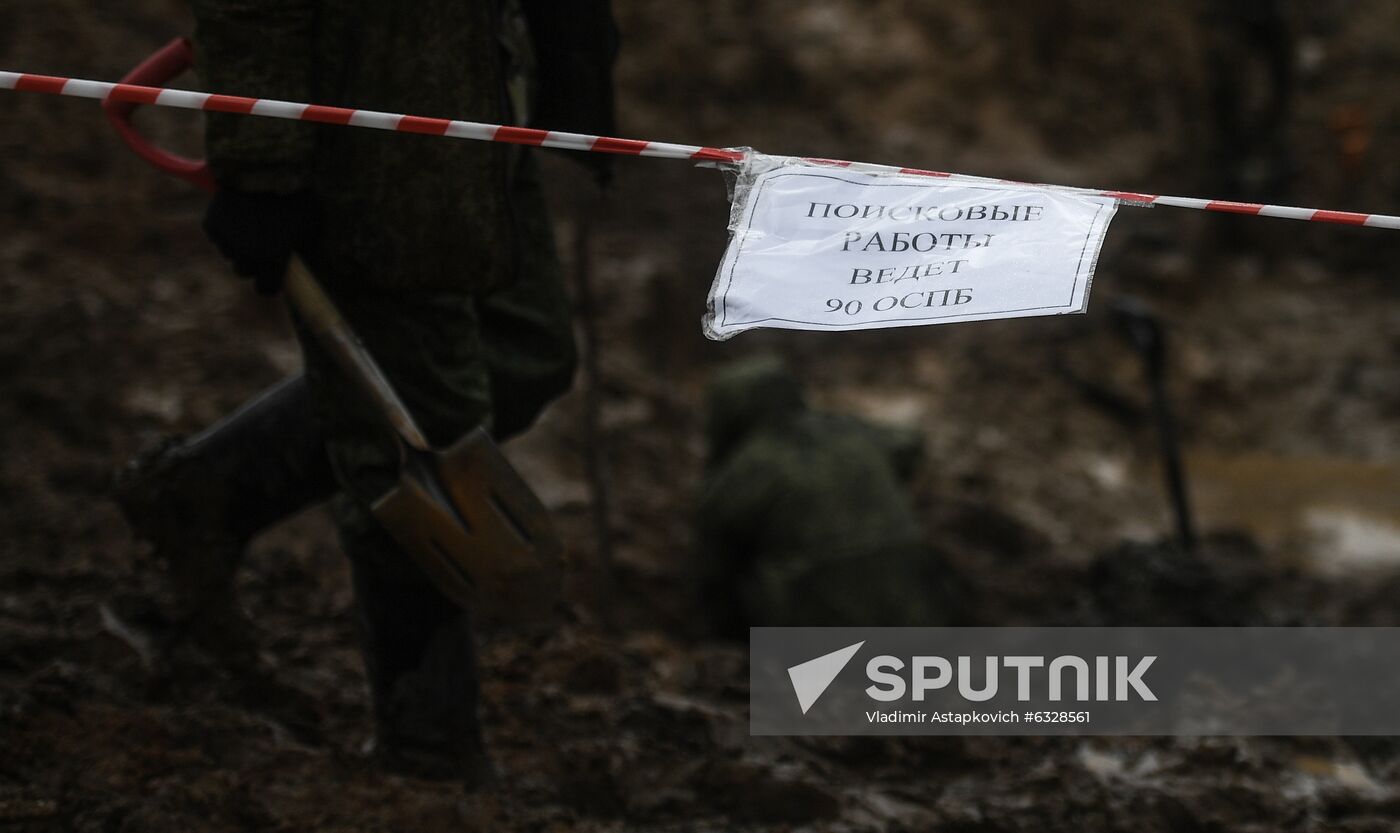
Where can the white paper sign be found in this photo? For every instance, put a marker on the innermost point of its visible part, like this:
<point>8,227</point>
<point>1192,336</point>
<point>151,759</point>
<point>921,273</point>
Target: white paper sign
<point>821,248</point>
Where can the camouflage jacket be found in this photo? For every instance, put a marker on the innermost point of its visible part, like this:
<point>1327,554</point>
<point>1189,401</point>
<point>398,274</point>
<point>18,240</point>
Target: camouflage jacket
<point>795,499</point>
<point>394,210</point>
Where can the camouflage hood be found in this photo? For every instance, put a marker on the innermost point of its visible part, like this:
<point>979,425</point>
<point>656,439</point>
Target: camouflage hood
<point>746,395</point>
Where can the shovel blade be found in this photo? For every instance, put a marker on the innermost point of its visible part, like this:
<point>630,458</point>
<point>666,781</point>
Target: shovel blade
<point>497,504</point>
<point>477,530</point>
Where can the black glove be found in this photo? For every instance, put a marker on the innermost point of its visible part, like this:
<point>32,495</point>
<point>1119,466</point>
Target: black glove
<point>258,233</point>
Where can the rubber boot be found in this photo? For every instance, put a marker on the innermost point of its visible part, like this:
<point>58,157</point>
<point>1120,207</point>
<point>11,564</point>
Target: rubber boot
<point>420,658</point>
<point>200,500</point>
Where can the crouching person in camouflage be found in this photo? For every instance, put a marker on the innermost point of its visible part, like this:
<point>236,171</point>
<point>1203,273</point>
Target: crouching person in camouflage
<point>803,518</point>
<point>439,255</point>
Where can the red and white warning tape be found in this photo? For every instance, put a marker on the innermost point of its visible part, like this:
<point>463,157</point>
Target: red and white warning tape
<point>185,99</point>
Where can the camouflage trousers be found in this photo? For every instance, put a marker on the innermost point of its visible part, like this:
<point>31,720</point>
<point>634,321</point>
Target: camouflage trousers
<point>458,360</point>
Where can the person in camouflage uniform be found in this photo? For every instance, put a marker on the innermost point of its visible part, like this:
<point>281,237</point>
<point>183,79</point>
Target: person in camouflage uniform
<point>803,517</point>
<point>438,253</point>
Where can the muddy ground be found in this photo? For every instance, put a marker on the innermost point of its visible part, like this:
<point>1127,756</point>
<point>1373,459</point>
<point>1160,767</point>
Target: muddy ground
<point>118,325</point>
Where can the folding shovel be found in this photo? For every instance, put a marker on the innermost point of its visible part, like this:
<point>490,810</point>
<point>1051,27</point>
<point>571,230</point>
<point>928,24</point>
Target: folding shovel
<point>463,513</point>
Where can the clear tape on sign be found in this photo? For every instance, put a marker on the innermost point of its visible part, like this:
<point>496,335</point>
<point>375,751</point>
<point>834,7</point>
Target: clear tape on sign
<point>822,247</point>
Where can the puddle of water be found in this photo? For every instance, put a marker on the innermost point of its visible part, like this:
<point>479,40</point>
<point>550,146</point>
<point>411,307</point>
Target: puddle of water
<point>1313,772</point>
<point>1331,515</point>
<point>1351,541</point>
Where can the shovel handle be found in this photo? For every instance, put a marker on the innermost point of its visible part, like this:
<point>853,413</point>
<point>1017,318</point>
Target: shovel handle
<point>156,71</point>
<point>325,322</point>
<point>305,294</point>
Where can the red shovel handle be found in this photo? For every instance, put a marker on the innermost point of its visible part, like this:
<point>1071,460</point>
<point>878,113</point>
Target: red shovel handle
<point>156,71</point>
